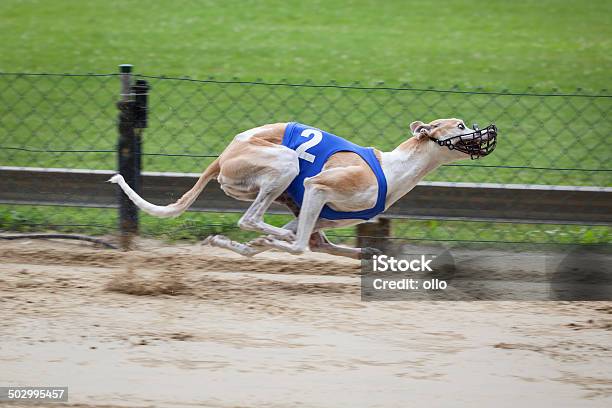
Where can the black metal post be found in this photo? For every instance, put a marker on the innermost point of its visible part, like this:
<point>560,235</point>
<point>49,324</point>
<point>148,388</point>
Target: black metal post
<point>128,159</point>
<point>141,95</point>
<point>374,234</point>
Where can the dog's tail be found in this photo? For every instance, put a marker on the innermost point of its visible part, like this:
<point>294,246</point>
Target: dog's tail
<point>176,208</point>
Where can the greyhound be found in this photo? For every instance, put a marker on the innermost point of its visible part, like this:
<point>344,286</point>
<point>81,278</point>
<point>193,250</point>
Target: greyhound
<point>350,185</point>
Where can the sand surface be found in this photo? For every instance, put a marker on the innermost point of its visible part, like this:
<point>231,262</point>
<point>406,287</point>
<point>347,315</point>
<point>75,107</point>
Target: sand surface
<point>186,325</point>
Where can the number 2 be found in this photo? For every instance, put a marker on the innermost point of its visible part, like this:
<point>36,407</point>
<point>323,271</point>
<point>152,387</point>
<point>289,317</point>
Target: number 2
<point>316,139</point>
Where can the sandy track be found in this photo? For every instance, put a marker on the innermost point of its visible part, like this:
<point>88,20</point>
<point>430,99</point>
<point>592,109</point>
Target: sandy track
<point>185,325</point>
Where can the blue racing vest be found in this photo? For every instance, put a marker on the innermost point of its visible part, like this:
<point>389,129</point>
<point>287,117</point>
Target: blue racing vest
<point>314,147</point>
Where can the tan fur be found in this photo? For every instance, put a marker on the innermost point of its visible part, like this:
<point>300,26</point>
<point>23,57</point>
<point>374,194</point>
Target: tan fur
<point>414,144</point>
<point>443,126</point>
<point>189,197</point>
<point>345,179</point>
<point>358,173</point>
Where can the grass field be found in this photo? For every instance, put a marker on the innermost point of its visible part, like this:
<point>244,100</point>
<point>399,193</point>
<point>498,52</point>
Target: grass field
<point>493,44</point>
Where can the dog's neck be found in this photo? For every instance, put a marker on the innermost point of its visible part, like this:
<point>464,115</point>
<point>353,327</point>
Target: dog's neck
<point>408,163</point>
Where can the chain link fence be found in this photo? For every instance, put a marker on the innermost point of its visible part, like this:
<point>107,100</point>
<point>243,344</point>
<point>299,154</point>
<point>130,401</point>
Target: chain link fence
<point>69,121</point>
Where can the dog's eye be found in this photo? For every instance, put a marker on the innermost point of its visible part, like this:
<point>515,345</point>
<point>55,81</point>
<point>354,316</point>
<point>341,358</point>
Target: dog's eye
<point>461,126</point>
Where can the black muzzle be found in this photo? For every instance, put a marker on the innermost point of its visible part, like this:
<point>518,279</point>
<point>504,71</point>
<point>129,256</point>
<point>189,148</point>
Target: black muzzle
<point>479,143</point>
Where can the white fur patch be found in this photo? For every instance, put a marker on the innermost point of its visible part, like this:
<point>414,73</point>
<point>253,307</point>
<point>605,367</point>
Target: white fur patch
<point>246,135</point>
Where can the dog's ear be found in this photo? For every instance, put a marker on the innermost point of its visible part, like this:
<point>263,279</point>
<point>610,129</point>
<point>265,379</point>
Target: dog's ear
<point>420,129</point>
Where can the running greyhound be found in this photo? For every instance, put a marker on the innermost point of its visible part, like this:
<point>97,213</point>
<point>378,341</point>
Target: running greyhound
<point>327,181</point>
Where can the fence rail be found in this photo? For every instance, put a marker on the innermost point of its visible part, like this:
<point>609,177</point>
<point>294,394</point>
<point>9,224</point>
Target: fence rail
<point>429,200</point>
<point>552,164</point>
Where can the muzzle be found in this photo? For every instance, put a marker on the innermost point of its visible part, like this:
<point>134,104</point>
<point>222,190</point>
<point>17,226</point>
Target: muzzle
<point>479,143</point>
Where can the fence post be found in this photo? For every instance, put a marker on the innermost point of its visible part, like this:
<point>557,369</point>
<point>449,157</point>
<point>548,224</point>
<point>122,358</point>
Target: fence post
<point>374,234</point>
<point>141,99</point>
<point>128,158</point>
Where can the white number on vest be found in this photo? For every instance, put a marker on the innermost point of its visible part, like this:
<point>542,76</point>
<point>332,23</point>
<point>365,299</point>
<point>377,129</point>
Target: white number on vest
<point>316,139</point>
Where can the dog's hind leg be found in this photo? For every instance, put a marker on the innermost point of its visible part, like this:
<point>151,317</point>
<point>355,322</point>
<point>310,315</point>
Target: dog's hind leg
<point>252,220</point>
<point>265,175</point>
<point>315,197</point>
<point>251,248</point>
<point>247,249</point>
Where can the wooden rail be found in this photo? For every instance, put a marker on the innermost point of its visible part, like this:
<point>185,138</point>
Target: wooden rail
<point>521,203</point>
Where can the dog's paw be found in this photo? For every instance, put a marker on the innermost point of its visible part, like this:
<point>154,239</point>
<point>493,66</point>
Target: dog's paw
<point>287,235</point>
<point>115,179</point>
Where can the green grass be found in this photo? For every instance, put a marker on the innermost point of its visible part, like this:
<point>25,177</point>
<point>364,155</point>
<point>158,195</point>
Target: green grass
<point>197,226</point>
<point>493,44</point>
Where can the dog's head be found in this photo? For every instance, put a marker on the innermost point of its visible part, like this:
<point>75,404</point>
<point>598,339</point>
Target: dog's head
<point>452,134</point>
